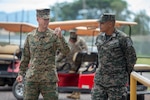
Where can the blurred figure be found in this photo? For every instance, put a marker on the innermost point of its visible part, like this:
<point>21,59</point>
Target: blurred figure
<point>76,44</point>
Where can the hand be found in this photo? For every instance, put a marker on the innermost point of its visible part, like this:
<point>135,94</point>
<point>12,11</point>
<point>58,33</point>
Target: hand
<point>58,32</point>
<point>19,79</point>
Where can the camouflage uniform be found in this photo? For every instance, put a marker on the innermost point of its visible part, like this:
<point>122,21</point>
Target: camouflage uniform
<point>39,54</point>
<point>78,46</point>
<point>116,58</point>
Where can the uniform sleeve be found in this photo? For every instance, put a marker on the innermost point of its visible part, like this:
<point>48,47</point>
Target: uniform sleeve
<point>63,46</point>
<point>60,57</point>
<point>129,53</point>
<point>25,58</point>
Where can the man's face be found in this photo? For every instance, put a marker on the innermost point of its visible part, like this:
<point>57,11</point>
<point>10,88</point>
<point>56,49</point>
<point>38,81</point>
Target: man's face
<point>105,26</point>
<point>73,40</point>
<point>43,22</point>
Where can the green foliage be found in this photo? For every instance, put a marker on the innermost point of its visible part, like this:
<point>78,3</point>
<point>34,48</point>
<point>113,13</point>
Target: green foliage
<point>4,43</point>
<point>143,61</point>
<point>89,9</point>
<point>143,23</point>
<point>92,9</point>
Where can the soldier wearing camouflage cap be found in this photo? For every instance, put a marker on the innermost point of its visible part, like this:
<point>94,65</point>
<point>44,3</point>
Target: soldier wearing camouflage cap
<point>38,59</point>
<point>76,44</point>
<point>116,58</point>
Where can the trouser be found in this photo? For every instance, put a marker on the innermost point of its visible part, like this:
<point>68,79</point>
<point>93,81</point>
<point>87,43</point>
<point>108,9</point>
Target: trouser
<point>48,90</point>
<point>109,93</point>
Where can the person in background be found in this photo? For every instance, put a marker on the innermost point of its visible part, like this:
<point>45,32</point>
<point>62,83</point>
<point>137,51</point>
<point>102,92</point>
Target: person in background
<point>38,59</point>
<point>116,58</point>
<point>76,44</point>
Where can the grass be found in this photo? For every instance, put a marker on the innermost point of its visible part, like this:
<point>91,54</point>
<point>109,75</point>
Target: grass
<point>143,61</point>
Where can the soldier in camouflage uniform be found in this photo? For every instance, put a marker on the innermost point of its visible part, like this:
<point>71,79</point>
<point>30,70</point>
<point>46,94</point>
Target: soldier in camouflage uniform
<point>38,59</point>
<point>76,44</point>
<point>116,58</point>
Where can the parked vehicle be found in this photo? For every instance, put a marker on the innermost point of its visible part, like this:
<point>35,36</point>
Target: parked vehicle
<point>10,53</point>
<point>69,82</point>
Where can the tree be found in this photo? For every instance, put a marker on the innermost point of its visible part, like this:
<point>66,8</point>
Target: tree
<point>143,21</point>
<point>91,9</point>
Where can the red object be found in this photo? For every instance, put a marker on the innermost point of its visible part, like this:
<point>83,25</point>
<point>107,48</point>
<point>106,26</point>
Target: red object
<point>86,81</point>
<point>68,79</point>
<point>16,67</point>
<point>82,81</point>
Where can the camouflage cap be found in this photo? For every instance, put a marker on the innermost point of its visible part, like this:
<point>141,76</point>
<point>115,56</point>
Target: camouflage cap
<point>73,33</point>
<point>43,13</point>
<point>107,17</point>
